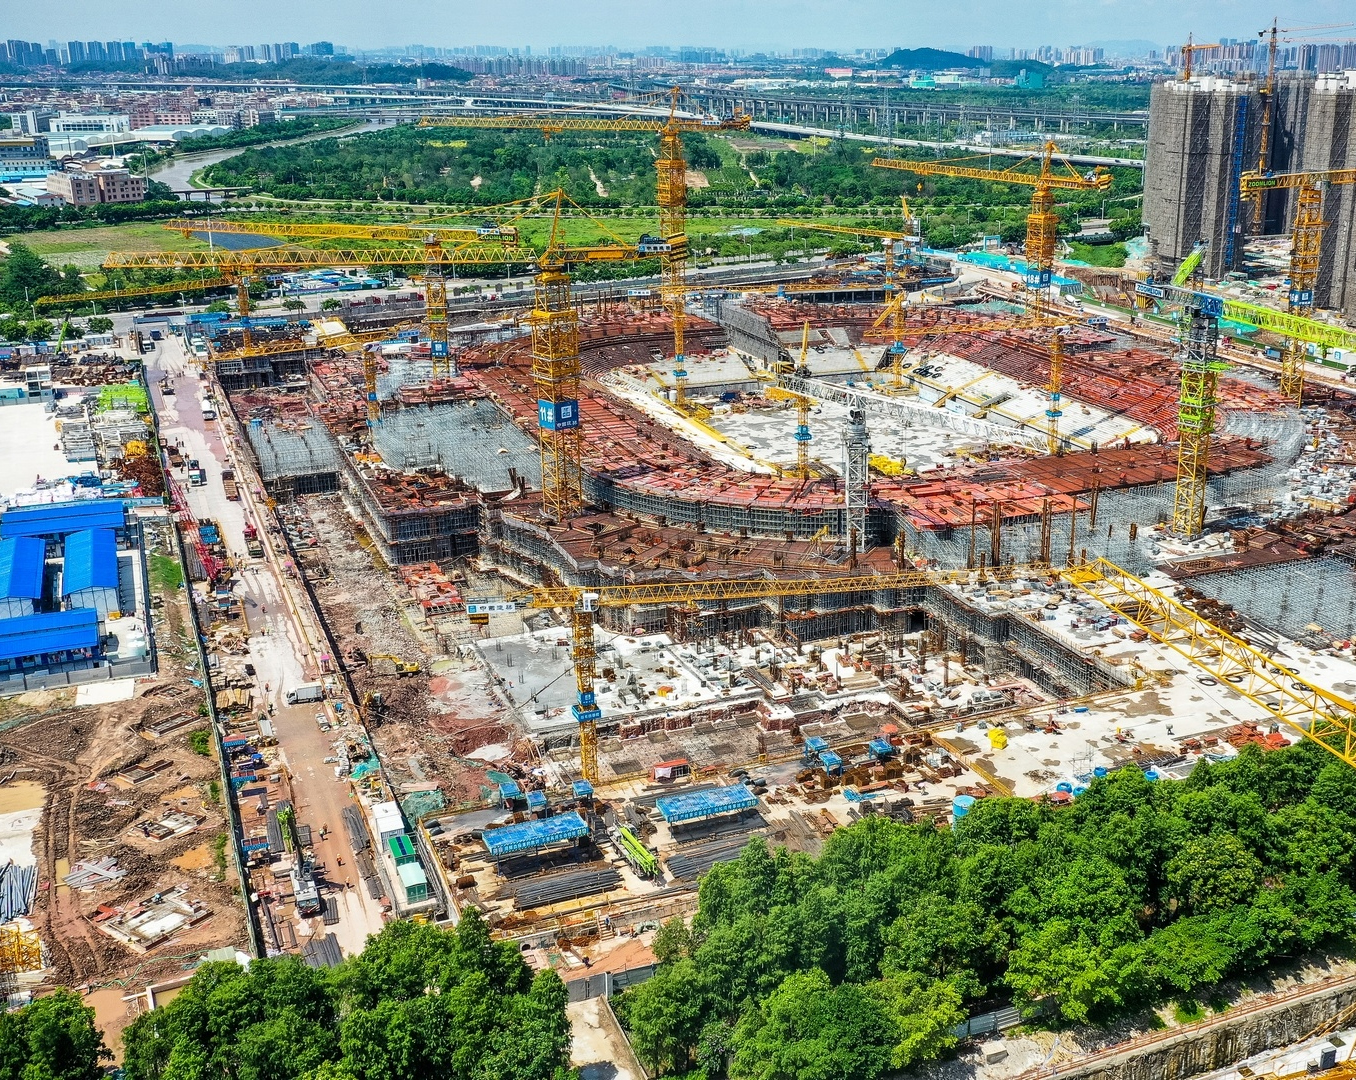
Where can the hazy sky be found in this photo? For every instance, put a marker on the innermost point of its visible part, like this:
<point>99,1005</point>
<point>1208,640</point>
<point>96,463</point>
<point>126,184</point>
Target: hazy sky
<point>829,24</point>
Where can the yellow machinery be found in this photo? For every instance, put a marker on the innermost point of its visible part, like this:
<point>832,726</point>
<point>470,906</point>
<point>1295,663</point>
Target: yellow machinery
<point>20,951</point>
<point>1307,240</point>
<point>402,667</point>
<point>433,236</point>
<point>1041,231</point>
<point>1189,51</point>
<point>1314,713</point>
<point>671,246</point>
<point>554,320</point>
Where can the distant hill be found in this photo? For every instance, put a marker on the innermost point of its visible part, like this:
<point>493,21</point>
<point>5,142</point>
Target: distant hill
<point>929,60</point>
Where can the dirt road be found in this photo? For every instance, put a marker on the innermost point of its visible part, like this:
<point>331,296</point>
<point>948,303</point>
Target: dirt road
<point>285,643</point>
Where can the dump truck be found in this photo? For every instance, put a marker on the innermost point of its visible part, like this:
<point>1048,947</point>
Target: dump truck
<point>228,482</point>
<point>252,542</point>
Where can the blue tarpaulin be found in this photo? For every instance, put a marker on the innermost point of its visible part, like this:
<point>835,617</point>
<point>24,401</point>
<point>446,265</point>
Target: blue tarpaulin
<point>531,835</point>
<point>691,805</point>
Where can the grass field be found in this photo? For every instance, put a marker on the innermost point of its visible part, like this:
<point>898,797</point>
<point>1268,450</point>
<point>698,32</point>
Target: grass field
<point>1110,255</point>
<point>87,248</point>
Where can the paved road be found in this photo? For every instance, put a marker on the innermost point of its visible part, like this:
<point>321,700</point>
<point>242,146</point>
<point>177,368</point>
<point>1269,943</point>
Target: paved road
<point>177,170</point>
<point>285,645</point>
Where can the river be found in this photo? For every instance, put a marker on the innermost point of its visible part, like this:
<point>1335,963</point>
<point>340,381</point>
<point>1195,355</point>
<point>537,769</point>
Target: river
<point>177,170</point>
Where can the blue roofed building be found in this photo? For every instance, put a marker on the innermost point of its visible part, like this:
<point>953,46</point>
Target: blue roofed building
<point>48,641</point>
<point>21,568</point>
<point>89,578</point>
<point>51,521</point>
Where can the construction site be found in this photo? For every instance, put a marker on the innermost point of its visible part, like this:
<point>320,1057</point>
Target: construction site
<point>583,591</point>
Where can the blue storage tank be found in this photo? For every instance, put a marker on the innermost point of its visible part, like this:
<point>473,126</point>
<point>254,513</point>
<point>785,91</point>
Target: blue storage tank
<point>1065,787</point>
<point>1100,770</point>
<point>960,806</point>
<point>1079,790</point>
<point>1150,774</point>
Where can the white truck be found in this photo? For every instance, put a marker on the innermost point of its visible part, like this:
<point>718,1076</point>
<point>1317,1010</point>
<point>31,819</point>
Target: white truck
<point>311,691</point>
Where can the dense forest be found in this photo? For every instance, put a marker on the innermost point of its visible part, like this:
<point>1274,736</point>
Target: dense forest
<point>863,960</point>
<point>418,1002</point>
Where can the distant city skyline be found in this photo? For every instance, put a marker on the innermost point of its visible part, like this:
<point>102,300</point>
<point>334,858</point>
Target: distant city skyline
<point>748,25</point>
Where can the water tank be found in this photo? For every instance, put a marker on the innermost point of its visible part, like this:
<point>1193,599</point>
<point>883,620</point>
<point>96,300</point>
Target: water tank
<point>1151,774</point>
<point>960,806</point>
<point>1100,770</point>
<point>1078,790</point>
<point>1065,787</point>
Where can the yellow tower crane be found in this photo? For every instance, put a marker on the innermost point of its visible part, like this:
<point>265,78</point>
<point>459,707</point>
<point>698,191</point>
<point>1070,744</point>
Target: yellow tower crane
<point>1189,51</point>
<point>803,405</point>
<point>671,166</point>
<point>434,237</point>
<point>1306,243</point>
<point>895,295</point>
<point>554,319</point>
<point>128,292</point>
<point>1041,233</point>
<point>1317,714</point>
<point>243,265</point>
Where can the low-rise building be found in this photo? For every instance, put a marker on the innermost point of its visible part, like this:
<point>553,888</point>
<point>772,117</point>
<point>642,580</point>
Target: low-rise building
<point>90,185</point>
<point>24,156</point>
<point>77,123</point>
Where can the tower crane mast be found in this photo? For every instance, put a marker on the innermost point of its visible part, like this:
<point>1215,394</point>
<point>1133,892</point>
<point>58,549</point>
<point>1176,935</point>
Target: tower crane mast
<point>671,192</point>
<point>1320,715</point>
<point>1041,233</point>
<point>1306,237</point>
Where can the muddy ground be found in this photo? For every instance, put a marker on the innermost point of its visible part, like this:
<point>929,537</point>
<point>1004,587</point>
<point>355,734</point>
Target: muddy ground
<point>90,811</point>
<point>430,720</point>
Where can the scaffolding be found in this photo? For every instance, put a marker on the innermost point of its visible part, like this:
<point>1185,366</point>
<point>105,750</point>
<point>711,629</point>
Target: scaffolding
<point>856,480</point>
<point>1292,597</point>
<point>295,457</point>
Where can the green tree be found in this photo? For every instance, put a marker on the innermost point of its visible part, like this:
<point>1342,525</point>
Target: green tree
<point>1211,873</point>
<point>808,1029</point>
<point>331,304</point>
<point>40,330</point>
<point>926,1015</point>
<point>99,324</point>
<point>24,277</point>
<point>665,1016</point>
<point>419,1001</point>
<point>217,307</point>
<point>52,1038</point>
<point>292,304</point>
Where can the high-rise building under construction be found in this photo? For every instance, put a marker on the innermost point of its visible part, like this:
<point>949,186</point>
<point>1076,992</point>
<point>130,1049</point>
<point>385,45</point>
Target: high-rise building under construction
<point>1205,132</point>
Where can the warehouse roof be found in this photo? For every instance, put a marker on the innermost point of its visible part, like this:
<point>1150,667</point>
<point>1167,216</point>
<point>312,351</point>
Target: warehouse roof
<point>531,835</point>
<point>91,561</point>
<point>691,805</point>
<point>56,631</point>
<point>58,519</point>
<point>21,559</point>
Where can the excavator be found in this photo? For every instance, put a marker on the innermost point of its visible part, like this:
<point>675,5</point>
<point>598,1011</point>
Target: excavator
<point>402,667</point>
